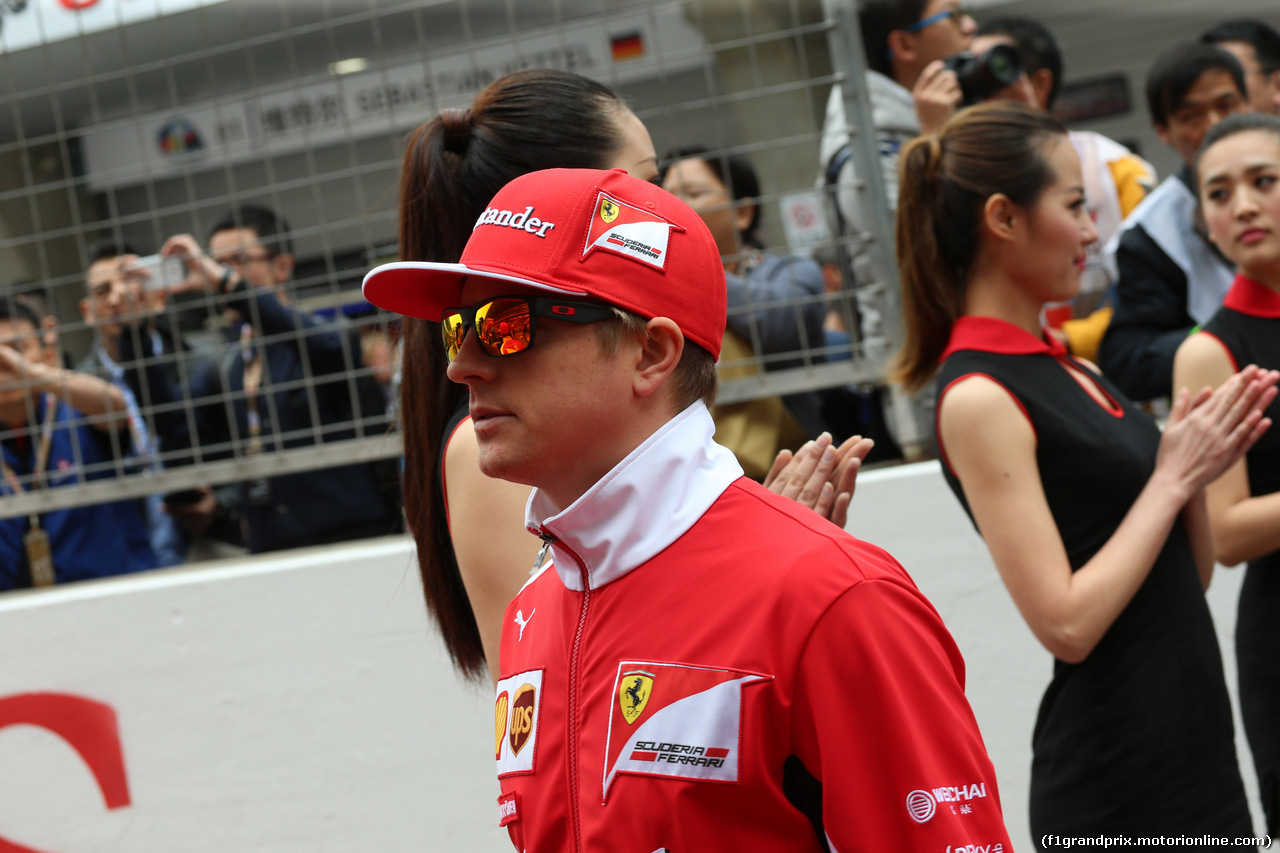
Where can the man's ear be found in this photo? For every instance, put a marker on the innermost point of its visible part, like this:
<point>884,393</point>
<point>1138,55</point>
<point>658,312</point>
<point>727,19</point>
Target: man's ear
<point>282,267</point>
<point>660,351</point>
<point>85,311</point>
<point>1162,131</point>
<point>742,217</point>
<point>1000,217</point>
<point>1042,84</point>
<point>902,46</point>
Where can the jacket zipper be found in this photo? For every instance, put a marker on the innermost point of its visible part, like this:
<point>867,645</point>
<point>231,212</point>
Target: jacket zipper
<point>574,798</point>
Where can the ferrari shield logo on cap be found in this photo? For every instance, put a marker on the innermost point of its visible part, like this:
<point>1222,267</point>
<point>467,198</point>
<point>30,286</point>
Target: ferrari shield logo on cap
<point>633,694</point>
<point>629,231</point>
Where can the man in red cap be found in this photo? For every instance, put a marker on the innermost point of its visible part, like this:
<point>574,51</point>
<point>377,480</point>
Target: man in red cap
<point>701,664</point>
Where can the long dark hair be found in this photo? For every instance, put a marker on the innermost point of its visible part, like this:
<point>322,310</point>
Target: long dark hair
<point>944,181</point>
<point>453,165</point>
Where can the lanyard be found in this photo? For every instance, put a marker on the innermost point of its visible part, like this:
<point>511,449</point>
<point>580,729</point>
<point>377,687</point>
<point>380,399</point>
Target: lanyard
<point>42,455</point>
<point>252,360</point>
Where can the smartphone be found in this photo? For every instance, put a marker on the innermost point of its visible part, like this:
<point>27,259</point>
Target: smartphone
<point>158,273</point>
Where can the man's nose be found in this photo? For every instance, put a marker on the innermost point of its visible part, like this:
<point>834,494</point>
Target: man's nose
<point>470,363</point>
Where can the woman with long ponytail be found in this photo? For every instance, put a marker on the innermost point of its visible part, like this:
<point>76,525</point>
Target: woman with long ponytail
<point>474,553</point>
<point>1096,521</point>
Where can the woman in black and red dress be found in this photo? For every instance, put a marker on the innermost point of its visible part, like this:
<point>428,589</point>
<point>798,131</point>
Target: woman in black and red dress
<point>1239,172</point>
<point>1095,521</point>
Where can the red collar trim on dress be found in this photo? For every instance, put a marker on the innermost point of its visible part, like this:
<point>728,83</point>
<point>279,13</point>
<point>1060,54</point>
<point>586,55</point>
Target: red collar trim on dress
<point>1249,297</point>
<point>987,334</point>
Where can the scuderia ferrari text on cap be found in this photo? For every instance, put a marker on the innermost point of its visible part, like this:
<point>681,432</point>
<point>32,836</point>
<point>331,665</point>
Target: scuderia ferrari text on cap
<point>584,233</point>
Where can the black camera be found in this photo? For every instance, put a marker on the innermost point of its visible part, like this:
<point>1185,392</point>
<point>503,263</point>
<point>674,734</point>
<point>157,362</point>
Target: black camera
<point>982,76</point>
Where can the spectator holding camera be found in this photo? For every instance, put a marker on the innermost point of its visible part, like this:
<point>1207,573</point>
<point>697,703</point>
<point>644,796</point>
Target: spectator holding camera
<point>902,39</point>
<point>116,298</point>
<point>920,73</point>
<point>60,428</point>
<point>287,377</point>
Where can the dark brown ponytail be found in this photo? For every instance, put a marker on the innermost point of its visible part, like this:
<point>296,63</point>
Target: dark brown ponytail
<point>453,165</point>
<point>944,182</point>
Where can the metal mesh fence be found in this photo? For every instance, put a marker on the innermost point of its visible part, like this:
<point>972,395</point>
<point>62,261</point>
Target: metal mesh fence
<point>123,124</point>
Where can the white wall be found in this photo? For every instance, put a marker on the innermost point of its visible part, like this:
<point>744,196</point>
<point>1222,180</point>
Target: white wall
<point>296,704</point>
<point>303,703</point>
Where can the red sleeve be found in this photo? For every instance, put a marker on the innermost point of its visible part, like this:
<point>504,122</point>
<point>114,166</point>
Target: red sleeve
<point>881,719</point>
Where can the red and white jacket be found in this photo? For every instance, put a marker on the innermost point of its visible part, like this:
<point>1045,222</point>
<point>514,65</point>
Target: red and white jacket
<point>709,666</point>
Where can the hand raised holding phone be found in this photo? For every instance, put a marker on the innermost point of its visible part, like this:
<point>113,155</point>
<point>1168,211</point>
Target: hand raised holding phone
<point>199,271</point>
<point>156,272</point>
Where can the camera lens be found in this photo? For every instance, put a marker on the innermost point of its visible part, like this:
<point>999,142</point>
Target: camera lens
<point>1002,64</point>
<point>982,76</point>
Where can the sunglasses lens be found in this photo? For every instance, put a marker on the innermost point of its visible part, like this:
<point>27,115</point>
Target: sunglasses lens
<point>453,330</point>
<point>503,326</point>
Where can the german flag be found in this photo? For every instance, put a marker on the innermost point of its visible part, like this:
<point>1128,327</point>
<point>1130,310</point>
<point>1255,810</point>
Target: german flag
<point>627,46</point>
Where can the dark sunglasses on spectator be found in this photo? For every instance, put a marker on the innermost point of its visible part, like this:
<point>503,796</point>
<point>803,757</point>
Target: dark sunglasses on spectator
<point>505,325</point>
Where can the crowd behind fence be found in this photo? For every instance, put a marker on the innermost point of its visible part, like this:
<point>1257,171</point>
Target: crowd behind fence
<point>129,129</point>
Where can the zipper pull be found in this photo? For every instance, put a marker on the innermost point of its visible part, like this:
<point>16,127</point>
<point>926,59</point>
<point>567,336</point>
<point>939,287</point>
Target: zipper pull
<point>547,539</point>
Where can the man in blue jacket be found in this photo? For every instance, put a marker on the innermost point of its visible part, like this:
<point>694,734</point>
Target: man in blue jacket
<point>58,429</point>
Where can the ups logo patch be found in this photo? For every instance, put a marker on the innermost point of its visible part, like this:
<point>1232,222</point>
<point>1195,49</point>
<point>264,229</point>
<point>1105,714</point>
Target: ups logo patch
<point>516,714</point>
<point>522,707</point>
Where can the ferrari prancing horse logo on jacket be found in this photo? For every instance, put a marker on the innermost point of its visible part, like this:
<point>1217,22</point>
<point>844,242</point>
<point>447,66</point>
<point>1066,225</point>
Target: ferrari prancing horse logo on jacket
<point>633,693</point>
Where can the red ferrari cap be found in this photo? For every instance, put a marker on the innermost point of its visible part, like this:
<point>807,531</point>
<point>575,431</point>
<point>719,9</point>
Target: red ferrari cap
<point>579,232</point>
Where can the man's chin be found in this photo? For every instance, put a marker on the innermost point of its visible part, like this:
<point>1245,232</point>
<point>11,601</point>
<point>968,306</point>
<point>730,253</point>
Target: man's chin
<point>496,467</point>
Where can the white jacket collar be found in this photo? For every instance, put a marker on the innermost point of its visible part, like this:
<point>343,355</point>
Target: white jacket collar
<point>640,507</point>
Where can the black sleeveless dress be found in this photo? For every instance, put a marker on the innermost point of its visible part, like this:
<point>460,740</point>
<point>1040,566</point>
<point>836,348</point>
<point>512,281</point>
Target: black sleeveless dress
<point>1248,325</point>
<point>1137,739</point>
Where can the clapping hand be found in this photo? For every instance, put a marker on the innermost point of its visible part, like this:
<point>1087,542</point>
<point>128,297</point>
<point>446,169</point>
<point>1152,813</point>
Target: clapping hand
<point>820,476</point>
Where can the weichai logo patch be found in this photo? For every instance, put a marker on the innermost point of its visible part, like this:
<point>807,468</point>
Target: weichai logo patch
<point>516,716</point>
<point>675,720</point>
<point>628,231</point>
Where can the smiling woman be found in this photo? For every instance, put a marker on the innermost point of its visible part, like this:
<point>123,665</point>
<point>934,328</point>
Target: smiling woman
<point>1239,172</point>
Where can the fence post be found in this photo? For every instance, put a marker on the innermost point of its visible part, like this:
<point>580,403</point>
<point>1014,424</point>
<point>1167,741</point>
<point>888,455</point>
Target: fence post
<point>874,268</point>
